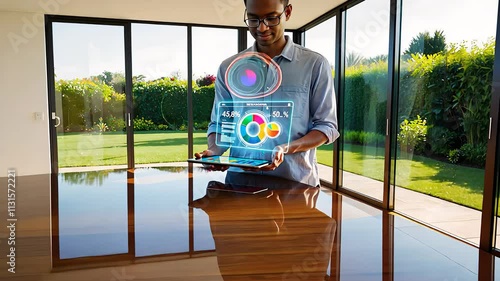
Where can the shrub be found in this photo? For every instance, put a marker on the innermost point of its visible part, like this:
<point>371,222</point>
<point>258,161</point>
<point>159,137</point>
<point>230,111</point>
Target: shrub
<point>456,89</point>
<point>474,154</point>
<point>206,80</point>
<point>454,156</point>
<point>364,138</point>
<point>100,126</point>
<point>442,140</point>
<point>162,127</point>
<point>115,124</point>
<point>365,97</point>
<point>165,102</point>
<point>141,124</point>
<point>85,101</point>
<point>201,125</point>
<point>412,133</point>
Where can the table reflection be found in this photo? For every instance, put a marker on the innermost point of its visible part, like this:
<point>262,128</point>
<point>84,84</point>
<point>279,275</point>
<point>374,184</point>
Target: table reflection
<point>277,233</point>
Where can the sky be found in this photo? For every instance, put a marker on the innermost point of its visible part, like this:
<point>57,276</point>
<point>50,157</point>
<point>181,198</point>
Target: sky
<point>82,50</point>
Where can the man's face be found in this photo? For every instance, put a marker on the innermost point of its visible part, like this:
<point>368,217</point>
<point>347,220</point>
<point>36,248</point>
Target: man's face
<point>260,9</point>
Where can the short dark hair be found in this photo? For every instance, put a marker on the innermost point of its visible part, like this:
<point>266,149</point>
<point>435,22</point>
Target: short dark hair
<point>284,2</point>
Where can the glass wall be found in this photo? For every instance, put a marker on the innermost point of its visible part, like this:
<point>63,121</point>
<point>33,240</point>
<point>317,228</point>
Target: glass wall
<point>206,61</point>
<point>443,116</point>
<point>89,67</point>
<point>365,97</point>
<point>159,62</point>
<point>321,39</point>
<point>89,63</point>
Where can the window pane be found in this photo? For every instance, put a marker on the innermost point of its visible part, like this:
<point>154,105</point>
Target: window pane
<point>159,62</point>
<point>90,98</point>
<point>365,97</point>
<point>321,39</point>
<point>89,62</point>
<point>444,102</point>
<point>208,54</point>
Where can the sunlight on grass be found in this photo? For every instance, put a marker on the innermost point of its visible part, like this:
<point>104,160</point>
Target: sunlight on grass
<point>80,150</point>
<point>455,183</point>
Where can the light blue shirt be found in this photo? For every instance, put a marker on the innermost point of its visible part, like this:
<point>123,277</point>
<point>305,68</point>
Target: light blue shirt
<point>308,82</point>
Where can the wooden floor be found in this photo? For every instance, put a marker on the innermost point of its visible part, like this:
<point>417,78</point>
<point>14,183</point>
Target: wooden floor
<point>164,224</point>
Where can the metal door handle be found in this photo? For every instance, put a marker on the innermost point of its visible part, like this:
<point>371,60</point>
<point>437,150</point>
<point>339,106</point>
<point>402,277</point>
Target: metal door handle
<point>58,120</point>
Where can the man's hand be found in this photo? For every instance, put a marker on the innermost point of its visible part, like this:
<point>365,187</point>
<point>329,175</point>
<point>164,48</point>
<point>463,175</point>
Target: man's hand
<point>207,153</point>
<point>278,157</point>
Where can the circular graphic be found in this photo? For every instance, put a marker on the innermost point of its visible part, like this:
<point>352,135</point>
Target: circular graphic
<point>253,75</point>
<point>252,129</point>
<point>249,78</point>
<point>273,130</point>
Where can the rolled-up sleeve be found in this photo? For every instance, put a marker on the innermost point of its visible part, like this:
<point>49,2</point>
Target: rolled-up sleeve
<point>323,105</point>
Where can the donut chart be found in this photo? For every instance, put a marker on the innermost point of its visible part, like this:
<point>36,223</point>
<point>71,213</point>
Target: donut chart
<point>273,130</point>
<point>252,129</point>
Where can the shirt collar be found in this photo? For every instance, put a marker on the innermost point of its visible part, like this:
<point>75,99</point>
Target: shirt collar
<point>287,52</point>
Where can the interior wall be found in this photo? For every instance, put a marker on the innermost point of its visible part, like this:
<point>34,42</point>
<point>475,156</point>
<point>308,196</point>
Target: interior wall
<point>24,137</point>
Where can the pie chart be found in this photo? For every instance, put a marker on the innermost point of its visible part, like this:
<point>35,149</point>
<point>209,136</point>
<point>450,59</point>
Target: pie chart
<point>252,129</point>
<point>273,130</point>
<point>248,78</point>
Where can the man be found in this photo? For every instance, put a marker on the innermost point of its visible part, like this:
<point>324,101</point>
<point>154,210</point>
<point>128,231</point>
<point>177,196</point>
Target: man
<point>307,81</point>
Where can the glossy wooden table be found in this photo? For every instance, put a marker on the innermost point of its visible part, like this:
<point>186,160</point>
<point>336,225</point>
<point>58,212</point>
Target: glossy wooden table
<point>163,224</point>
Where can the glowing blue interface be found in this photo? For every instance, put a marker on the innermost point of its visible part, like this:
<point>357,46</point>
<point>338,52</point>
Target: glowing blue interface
<point>260,125</point>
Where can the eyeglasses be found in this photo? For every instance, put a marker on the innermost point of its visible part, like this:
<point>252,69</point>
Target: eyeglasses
<point>268,21</point>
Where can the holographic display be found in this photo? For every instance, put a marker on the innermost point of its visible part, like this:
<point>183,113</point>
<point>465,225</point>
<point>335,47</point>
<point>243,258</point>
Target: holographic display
<point>252,76</point>
<point>260,125</point>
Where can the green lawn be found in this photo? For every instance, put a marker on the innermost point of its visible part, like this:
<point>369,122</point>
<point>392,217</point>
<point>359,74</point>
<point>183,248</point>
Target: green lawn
<point>459,184</point>
<point>77,150</point>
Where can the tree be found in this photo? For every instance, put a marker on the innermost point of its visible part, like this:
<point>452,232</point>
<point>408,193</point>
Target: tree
<point>113,79</point>
<point>138,78</point>
<point>377,59</point>
<point>425,44</point>
<point>353,59</point>
<point>106,77</point>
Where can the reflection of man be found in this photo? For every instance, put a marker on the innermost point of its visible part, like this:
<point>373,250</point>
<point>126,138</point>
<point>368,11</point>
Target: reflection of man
<point>307,81</point>
<point>276,235</point>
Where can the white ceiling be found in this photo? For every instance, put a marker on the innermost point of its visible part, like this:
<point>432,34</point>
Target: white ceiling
<point>213,12</point>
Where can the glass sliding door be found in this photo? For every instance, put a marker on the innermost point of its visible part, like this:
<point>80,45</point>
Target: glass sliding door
<point>159,71</point>
<point>321,39</point>
<point>89,63</point>
<point>208,54</point>
<point>446,66</point>
<point>89,78</point>
<point>365,97</point>
<point>159,76</point>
